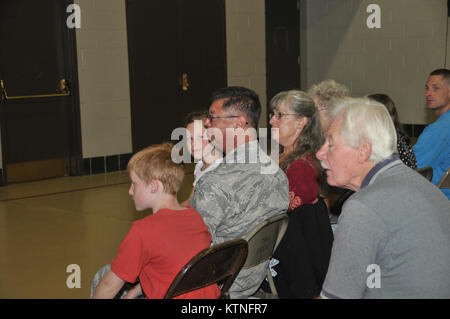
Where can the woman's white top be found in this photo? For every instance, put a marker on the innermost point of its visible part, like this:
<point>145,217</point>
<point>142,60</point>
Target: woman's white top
<point>198,169</point>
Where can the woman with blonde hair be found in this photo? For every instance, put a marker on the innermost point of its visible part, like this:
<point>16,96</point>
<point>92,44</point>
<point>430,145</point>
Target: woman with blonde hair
<point>323,93</point>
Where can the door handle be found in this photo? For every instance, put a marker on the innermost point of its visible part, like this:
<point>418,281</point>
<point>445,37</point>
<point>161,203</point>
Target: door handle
<point>184,82</point>
<point>64,89</point>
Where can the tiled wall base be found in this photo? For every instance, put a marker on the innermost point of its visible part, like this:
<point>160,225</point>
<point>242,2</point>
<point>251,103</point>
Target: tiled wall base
<point>105,164</point>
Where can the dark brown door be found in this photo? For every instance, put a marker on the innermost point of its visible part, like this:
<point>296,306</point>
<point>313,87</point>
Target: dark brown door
<point>202,51</point>
<point>282,46</point>
<point>169,41</point>
<point>39,108</point>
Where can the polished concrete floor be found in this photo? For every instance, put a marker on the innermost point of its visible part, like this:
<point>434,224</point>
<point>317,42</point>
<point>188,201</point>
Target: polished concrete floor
<point>45,226</point>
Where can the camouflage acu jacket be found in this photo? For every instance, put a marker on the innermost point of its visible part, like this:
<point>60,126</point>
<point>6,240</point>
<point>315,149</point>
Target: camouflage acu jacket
<point>236,196</point>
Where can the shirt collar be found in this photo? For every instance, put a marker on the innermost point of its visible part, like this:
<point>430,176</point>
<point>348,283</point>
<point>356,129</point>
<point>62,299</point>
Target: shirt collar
<point>378,168</point>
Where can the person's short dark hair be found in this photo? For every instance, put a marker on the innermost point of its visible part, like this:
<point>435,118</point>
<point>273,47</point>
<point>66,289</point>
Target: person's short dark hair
<point>194,116</point>
<point>241,99</point>
<point>444,72</point>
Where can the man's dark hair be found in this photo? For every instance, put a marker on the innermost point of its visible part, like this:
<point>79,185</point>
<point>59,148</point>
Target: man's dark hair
<point>445,74</point>
<point>241,99</point>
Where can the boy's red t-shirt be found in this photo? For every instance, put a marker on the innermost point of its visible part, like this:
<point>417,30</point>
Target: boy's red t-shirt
<point>158,246</point>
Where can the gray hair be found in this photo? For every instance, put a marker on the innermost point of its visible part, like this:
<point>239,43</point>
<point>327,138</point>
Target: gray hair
<point>365,119</point>
<point>328,90</point>
<point>311,138</point>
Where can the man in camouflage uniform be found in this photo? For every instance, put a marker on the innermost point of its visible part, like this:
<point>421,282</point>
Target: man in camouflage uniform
<point>248,187</point>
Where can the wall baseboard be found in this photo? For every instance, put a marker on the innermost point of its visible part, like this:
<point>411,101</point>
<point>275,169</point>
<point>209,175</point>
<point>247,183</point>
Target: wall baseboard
<point>112,163</point>
<point>105,164</point>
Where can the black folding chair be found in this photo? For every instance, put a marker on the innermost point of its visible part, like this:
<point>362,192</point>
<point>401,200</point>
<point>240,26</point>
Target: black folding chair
<point>445,180</point>
<point>262,241</point>
<point>219,264</point>
<point>426,172</point>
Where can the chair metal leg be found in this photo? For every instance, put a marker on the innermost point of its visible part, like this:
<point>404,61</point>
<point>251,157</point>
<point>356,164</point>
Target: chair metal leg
<point>272,284</point>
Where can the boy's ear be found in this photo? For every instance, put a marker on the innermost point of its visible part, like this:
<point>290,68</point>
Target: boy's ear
<point>153,186</point>
<point>156,186</point>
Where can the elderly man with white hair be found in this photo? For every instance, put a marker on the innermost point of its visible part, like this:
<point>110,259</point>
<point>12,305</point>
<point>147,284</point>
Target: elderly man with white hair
<point>393,236</point>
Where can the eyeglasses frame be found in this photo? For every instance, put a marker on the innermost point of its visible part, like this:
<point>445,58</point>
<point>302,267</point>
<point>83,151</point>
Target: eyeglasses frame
<point>279,116</point>
<point>213,117</point>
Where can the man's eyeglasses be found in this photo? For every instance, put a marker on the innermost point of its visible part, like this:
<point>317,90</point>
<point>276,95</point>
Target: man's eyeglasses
<point>213,117</point>
<point>279,116</point>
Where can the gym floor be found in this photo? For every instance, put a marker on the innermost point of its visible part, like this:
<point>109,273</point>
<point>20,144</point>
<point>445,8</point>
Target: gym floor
<point>48,226</point>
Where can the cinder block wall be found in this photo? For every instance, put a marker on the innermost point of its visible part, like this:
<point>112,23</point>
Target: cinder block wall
<point>103,78</point>
<point>394,59</point>
<point>246,47</point>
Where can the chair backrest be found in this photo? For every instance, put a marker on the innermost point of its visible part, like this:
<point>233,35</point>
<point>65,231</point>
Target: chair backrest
<point>264,239</point>
<point>426,172</point>
<point>217,264</point>
<point>445,180</point>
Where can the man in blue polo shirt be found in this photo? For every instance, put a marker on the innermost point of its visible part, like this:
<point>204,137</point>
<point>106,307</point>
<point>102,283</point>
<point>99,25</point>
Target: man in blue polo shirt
<point>393,233</point>
<point>433,146</point>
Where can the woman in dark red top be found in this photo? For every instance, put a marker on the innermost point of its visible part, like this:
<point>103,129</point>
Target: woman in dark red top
<point>301,260</point>
<point>300,135</point>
